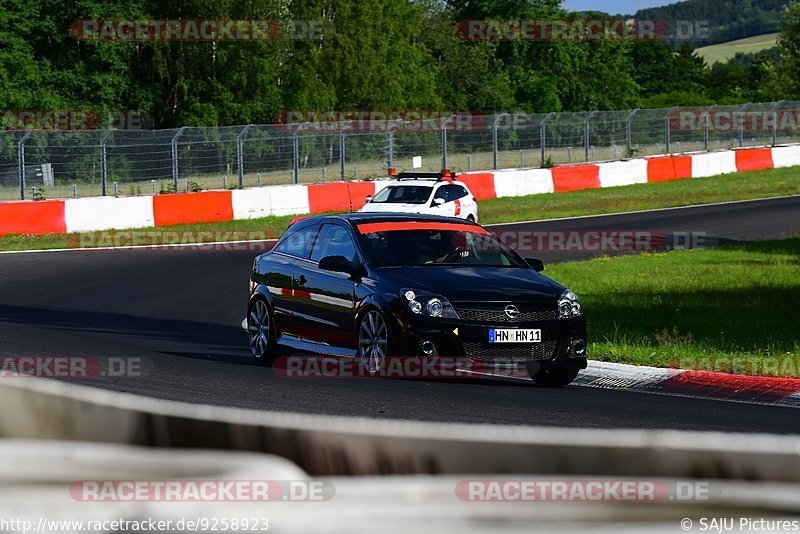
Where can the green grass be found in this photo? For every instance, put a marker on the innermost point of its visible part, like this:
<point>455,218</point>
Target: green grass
<point>740,186</point>
<point>722,52</point>
<point>732,308</point>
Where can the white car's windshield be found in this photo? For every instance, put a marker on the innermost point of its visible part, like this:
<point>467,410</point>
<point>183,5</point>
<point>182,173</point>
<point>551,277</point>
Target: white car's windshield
<point>403,194</point>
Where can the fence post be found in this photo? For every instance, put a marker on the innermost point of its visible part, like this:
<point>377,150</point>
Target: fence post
<point>774,127</point>
<point>341,154</point>
<point>21,163</point>
<point>494,139</point>
<point>390,148</point>
<point>741,123</point>
<point>543,136</point>
<point>175,156</point>
<point>628,130</point>
<point>667,128</point>
<point>240,153</point>
<point>444,142</point>
<point>295,158</point>
<point>586,135</point>
<point>775,122</point>
<point>103,162</point>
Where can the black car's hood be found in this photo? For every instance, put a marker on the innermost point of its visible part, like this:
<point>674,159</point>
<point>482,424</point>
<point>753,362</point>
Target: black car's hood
<point>476,284</point>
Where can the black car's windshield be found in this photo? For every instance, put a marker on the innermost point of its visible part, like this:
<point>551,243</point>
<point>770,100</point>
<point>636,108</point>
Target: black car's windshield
<point>410,247</point>
<point>403,194</point>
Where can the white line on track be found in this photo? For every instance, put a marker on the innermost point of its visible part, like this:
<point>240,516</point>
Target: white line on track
<point>135,247</point>
<point>643,211</point>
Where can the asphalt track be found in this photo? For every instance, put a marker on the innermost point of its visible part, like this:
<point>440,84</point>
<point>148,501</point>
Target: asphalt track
<point>180,312</point>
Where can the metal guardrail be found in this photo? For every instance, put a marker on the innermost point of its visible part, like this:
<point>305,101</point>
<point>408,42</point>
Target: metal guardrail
<point>330,445</point>
<point>39,478</point>
<point>141,162</point>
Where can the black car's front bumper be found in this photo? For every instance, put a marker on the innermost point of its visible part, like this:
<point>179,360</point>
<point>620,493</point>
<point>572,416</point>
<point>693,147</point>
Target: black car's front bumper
<point>563,342</point>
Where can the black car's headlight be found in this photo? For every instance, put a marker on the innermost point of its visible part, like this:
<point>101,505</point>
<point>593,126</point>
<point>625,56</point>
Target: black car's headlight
<point>427,304</point>
<point>569,305</point>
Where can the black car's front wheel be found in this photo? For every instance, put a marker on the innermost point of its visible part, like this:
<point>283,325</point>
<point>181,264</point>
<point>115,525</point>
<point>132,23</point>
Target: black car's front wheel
<point>259,330</point>
<point>554,378</point>
<point>373,341</point>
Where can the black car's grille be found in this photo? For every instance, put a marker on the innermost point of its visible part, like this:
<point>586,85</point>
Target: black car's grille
<point>487,315</point>
<point>510,353</point>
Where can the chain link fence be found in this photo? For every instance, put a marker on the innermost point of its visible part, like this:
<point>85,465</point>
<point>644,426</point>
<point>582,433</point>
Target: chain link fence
<point>62,164</point>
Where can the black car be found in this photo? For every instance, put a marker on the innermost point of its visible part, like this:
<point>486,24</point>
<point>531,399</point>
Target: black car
<point>376,285</point>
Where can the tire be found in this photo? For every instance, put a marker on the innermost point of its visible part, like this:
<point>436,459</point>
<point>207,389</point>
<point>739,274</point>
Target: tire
<point>553,378</point>
<point>261,332</point>
<point>373,341</point>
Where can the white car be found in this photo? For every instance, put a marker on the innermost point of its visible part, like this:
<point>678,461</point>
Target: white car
<point>425,192</point>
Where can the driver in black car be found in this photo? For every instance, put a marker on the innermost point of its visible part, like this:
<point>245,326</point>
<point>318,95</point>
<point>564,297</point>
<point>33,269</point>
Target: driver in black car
<point>455,248</point>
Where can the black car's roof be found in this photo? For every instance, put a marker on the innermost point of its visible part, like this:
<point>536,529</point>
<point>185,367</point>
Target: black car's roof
<point>362,217</point>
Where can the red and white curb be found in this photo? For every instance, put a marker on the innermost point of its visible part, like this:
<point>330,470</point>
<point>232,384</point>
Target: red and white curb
<point>691,383</point>
<point>686,383</point>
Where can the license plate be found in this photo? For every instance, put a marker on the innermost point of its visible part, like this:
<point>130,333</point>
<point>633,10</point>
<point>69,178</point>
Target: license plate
<point>515,335</point>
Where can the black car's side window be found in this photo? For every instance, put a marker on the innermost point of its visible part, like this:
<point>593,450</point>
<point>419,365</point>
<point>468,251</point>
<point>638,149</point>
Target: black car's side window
<point>333,240</point>
<point>297,243</point>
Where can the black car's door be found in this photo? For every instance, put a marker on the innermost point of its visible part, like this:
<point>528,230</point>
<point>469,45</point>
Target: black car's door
<point>279,276</point>
<point>326,300</point>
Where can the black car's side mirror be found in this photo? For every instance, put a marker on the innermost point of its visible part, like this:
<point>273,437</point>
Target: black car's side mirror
<point>536,264</point>
<point>338,264</point>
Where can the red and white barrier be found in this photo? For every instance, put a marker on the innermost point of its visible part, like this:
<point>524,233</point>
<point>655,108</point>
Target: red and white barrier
<point>99,213</point>
<point>90,214</point>
<point>522,182</point>
<point>785,156</point>
<point>713,163</point>
<point>628,172</point>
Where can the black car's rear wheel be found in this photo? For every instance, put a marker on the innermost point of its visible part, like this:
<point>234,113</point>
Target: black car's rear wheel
<point>373,341</point>
<point>554,378</point>
<point>259,330</point>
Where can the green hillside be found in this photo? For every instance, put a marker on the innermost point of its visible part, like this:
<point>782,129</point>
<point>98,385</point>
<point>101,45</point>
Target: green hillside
<point>724,20</point>
<point>723,51</point>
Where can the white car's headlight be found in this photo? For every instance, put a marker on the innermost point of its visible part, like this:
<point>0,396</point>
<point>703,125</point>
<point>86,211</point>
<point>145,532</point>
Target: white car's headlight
<point>428,304</point>
<point>569,305</point>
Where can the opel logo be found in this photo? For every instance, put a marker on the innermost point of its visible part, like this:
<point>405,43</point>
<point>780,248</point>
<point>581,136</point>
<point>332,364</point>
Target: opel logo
<point>512,312</point>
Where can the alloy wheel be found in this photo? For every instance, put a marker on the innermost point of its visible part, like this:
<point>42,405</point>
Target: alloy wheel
<point>373,341</point>
<point>258,328</point>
